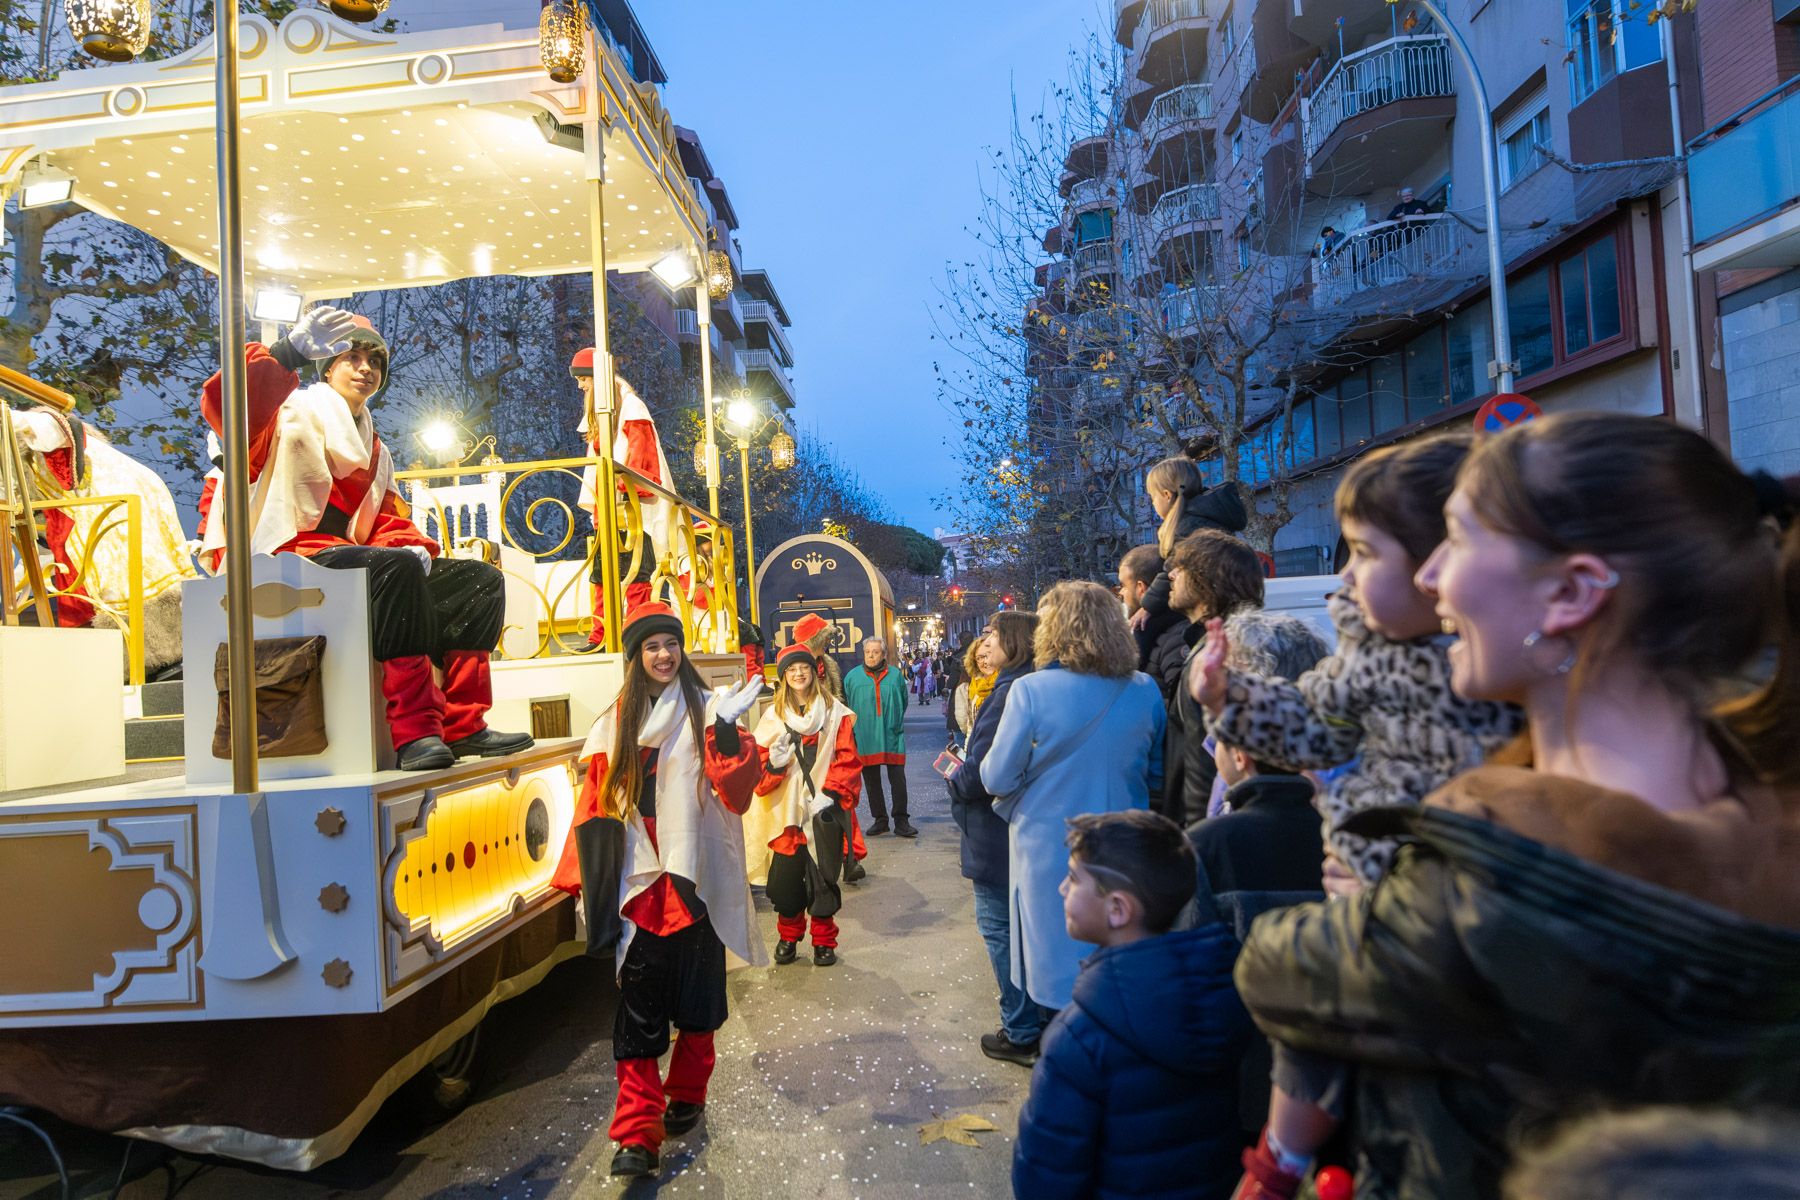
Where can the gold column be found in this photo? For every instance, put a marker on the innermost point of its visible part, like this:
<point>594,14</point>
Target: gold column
<point>703,312</point>
<point>602,406</point>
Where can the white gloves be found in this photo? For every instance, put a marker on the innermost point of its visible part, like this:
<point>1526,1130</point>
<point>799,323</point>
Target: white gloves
<point>425,558</point>
<point>322,332</point>
<point>782,752</point>
<point>735,702</point>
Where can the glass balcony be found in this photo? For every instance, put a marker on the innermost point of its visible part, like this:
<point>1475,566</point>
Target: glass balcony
<point>1747,170</point>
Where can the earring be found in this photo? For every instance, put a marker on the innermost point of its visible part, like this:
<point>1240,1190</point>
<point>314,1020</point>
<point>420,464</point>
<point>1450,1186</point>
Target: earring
<point>1610,582</point>
<point>1562,668</point>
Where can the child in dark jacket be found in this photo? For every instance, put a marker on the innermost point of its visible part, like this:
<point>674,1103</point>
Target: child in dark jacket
<point>1182,502</point>
<point>1136,1090</point>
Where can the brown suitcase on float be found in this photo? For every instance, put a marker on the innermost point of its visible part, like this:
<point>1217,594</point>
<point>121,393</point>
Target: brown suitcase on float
<point>290,698</point>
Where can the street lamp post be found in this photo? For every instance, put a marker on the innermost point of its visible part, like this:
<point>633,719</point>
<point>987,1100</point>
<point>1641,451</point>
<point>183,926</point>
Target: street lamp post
<point>1502,369</point>
<point>745,418</point>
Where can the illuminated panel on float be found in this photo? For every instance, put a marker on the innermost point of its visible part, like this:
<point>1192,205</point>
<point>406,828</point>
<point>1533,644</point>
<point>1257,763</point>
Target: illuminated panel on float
<point>476,855</point>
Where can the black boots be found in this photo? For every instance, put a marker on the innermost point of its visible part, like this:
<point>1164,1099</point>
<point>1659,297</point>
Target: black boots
<point>490,743</point>
<point>784,953</point>
<point>424,754</point>
<point>635,1160</point>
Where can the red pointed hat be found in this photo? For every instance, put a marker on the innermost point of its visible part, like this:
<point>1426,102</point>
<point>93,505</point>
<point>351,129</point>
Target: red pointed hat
<point>793,653</point>
<point>809,627</point>
<point>583,362</point>
<point>646,619</point>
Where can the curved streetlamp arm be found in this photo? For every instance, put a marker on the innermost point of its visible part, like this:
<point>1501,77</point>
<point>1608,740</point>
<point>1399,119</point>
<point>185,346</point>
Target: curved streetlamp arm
<point>1501,368</point>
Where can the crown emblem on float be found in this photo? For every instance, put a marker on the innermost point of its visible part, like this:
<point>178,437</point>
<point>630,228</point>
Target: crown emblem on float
<point>814,563</point>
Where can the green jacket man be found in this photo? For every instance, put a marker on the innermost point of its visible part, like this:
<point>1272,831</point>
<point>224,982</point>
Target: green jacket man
<point>876,693</point>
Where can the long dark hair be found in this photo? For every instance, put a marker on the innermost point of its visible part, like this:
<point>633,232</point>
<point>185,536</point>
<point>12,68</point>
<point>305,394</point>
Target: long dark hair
<point>624,781</point>
<point>1708,560</point>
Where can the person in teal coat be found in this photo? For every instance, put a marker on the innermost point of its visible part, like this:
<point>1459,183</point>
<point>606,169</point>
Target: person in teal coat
<point>876,693</point>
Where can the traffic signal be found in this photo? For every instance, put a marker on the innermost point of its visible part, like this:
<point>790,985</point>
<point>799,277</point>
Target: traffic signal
<point>1006,601</point>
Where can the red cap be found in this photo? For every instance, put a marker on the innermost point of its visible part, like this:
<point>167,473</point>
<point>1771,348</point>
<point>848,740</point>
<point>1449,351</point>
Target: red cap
<point>809,627</point>
<point>791,654</point>
<point>583,362</point>
<point>646,619</point>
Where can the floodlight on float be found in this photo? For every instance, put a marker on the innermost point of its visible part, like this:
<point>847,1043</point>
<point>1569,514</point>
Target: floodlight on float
<point>113,30</point>
<point>559,41</point>
<point>675,269</point>
<point>41,185</point>
<point>278,305</point>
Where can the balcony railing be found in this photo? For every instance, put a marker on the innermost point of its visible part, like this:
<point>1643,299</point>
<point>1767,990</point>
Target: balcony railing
<point>1095,256</point>
<point>1191,102</point>
<point>1090,192</point>
<point>1166,12</point>
<point>1402,68</point>
<point>1744,168</point>
<point>767,361</point>
<point>1183,206</point>
<point>1183,311</point>
<point>1390,254</point>
<point>762,310</point>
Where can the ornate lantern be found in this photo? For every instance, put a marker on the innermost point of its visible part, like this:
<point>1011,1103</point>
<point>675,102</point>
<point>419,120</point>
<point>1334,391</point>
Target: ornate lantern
<point>719,279</point>
<point>115,30</point>
<point>559,41</point>
<point>360,11</point>
<point>781,451</point>
<point>700,458</point>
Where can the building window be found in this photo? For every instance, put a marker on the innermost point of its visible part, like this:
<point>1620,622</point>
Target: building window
<point>1243,254</point>
<point>1227,36</point>
<point>1237,143</point>
<point>1424,357</point>
<point>1094,225</point>
<point>1607,38</point>
<point>1520,136</point>
<point>1567,308</point>
<point>1471,338</point>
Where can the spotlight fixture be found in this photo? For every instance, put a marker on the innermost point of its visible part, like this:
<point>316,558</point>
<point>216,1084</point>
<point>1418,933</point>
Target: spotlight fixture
<point>675,269</point>
<point>278,305</point>
<point>42,185</point>
<point>360,11</point>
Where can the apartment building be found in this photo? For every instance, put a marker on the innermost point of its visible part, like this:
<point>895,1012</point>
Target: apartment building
<point>1318,164</point>
<point>1745,178</point>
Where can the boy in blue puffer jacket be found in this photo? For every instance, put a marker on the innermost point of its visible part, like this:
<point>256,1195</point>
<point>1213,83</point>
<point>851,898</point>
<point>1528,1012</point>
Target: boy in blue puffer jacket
<point>1136,1090</point>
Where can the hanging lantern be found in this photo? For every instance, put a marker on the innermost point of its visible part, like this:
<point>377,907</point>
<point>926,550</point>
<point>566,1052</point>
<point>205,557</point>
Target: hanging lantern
<point>719,279</point>
<point>360,11</point>
<point>559,41</point>
<point>781,451</point>
<point>115,30</point>
<point>700,458</point>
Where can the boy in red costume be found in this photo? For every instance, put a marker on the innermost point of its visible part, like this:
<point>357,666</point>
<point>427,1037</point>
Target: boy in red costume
<point>811,779</point>
<point>635,445</point>
<point>323,487</point>
<point>669,769</point>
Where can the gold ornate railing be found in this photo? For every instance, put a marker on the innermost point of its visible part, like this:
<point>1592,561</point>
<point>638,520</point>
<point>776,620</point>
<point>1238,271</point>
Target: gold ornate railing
<point>82,550</point>
<point>542,528</point>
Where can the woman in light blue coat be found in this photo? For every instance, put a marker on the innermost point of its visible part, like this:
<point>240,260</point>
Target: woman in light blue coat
<point>1082,735</point>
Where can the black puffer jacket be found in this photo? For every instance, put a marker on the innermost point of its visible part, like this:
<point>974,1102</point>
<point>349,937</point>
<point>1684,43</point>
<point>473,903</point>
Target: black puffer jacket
<point>1188,769</point>
<point>1221,508</point>
<point>1546,947</point>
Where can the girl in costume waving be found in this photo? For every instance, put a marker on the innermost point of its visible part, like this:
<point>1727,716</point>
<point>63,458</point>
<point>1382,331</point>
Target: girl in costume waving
<point>669,769</point>
<point>811,779</point>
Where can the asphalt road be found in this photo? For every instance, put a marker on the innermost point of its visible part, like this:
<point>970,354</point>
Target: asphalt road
<point>823,1080</point>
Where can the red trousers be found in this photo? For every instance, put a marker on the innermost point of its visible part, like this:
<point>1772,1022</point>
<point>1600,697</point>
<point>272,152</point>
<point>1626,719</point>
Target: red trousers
<point>635,594</point>
<point>644,1094</point>
<point>417,707</point>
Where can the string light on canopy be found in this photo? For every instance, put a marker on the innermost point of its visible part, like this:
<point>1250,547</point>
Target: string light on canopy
<point>360,11</point>
<point>559,41</point>
<point>114,30</point>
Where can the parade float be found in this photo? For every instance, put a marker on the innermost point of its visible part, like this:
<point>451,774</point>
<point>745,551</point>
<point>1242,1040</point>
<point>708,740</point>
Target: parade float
<point>245,957</point>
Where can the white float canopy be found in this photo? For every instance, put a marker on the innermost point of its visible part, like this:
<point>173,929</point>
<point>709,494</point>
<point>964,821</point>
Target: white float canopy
<point>369,160</point>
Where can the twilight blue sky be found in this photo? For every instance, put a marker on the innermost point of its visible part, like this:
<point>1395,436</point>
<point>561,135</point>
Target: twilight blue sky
<point>848,133</point>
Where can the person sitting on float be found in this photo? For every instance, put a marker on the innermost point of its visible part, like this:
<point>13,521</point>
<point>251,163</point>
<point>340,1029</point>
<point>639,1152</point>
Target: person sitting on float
<point>638,446</point>
<point>323,487</point>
